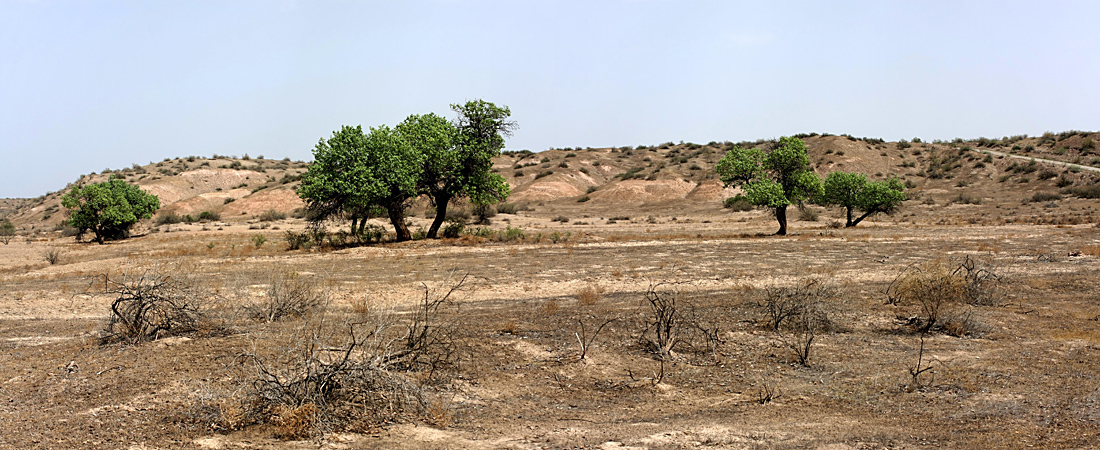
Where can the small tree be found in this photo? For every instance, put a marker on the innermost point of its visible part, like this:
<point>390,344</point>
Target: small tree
<point>853,191</point>
<point>108,209</point>
<point>775,179</point>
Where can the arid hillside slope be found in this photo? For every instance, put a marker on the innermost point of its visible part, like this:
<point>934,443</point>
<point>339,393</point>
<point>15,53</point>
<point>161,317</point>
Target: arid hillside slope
<point>659,179</point>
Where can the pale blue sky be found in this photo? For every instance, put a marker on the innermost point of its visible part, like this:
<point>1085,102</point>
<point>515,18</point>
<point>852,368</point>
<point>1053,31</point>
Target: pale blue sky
<point>90,85</point>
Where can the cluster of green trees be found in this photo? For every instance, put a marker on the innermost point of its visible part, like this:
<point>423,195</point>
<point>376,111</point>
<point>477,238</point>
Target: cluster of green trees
<point>783,177</point>
<point>356,175</point>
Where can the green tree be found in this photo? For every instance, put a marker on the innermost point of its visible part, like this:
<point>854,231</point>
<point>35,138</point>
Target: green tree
<point>853,191</point>
<point>108,209</point>
<point>775,179</point>
<point>353,173</point>
<point>333,185</point>
<point>458,159</point>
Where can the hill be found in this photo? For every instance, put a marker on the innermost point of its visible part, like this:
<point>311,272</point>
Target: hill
<point>663,179</point>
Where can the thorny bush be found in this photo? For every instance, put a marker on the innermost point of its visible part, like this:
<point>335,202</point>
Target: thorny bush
<point>354,372</point>
<point>151,304</point>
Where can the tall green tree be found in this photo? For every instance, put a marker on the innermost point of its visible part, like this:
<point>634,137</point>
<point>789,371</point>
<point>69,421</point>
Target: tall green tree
<point>458,159</point>
<point>776,179</point>
<point>108,209</point>
<point>355,173</point>
<point>853,191</point>
<point>394,168</point>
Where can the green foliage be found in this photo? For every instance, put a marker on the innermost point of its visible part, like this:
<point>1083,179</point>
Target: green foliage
<point>737,203</point>
<point>453,229</point>
<point>1040,197</point>
<point>354,173</point>
<point>853,191</point>
<point>108,209</point>
<point>776,179</point>
<point>482,127</point>
<point>209,216</point>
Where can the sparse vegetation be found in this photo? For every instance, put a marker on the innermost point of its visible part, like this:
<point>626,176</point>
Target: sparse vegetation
<point>271,215</point>
<point>7,231</point>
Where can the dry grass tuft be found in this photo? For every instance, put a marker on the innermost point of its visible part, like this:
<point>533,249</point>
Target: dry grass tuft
<point>589,295</point>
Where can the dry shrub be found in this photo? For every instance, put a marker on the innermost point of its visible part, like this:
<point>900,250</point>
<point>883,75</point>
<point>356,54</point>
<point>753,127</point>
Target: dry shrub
<point>588,295</point>
<point>294,423</point>
<point>549,308</point>
<point>509,327</point>
<point>288,294</point>
<point>663,328</point>
<point>151,304</point>
<point>52,255</point>
<point>798,314</point>
<point>356,372</point>
<point>941,290</point>
<point>1091,250</point>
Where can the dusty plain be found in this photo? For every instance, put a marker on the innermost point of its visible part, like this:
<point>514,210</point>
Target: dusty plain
<point>602,228</point>
<point>1025,375</point>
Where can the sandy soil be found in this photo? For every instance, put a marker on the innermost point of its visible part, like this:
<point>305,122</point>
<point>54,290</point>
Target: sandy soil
<point>1024,375</point>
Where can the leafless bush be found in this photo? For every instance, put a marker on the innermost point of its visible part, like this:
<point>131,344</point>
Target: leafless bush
<point>429,339</point>
<point>798,314</point>
<point>939,290</point>
<point>586,335</point>
<point>983,284</point>
<point>783,304</point>
<point>288,294</point>
<point>662,330</point>
<point>52,255</point>
<point>329,378</point>
<point>769,389</point>
<point>354,373</point>
<point>151,304</point>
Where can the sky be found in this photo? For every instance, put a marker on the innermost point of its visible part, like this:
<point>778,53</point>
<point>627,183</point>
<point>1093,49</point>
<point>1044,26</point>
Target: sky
<point>90,85</point>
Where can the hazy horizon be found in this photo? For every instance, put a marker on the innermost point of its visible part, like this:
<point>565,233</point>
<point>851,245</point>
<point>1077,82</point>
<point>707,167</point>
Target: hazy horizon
<point>86,86</point>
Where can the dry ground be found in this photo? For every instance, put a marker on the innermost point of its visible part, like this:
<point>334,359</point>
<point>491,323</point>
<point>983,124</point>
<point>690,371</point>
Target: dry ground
<point>1025,375</point>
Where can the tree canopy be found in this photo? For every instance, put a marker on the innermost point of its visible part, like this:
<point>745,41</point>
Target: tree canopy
<point>108,209</point>
<point>356,174</point>
<point>853,191</point>
<point>775,179</point>
<point>459,156</point>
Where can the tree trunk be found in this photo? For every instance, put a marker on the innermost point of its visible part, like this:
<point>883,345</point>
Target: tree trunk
<point>859,219</point>
<point>781,216</point>
<point>354,223</point>
<point>397,218</point>
<point>849,223</point>
<point>441,201</point>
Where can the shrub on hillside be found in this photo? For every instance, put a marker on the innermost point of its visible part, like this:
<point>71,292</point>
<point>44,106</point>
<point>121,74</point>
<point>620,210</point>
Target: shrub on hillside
<point>737,203</point>
<point>271,215</point>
